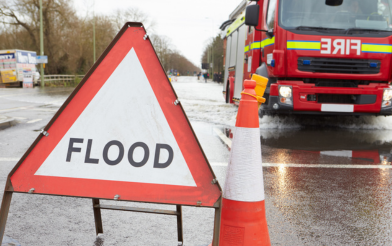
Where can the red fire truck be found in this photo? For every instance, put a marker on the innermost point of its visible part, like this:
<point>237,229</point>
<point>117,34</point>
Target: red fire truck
<point>320,56</point>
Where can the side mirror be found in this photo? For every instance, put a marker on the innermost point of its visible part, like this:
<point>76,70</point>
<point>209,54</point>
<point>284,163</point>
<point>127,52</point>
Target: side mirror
<point>333,2</point>
<point>252,15</point>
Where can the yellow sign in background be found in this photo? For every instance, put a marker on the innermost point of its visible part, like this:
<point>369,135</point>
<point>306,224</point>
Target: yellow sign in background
<point>8,76</point>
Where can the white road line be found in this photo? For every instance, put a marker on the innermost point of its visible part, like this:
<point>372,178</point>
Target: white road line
<point>347,166</point>
<point>33,121</point>
<point>32,93</point>
<point>45,110</point>
<point>9,159</point>
<point>19,118</point>
<point>17,94</point>
<point>13,109</point>
<point>223,137</point>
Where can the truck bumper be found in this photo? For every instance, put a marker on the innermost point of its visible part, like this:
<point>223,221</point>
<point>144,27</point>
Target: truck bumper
<point>309,99</point>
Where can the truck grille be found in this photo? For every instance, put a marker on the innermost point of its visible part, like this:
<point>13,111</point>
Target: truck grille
<point>332,65</point>
<point>345,99</point>
<point>336,84</point>
<point>333,98</point>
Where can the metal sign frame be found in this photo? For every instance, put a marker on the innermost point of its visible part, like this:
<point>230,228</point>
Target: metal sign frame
<point>9,189</point>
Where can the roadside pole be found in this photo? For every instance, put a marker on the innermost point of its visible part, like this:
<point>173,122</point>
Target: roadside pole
<point>94,31</point>
<point>41,38</point>
<point>212,58</point>
<point>208,59</point>
<point>210,49</point>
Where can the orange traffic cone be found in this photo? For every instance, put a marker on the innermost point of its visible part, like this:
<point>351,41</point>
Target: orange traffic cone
<point>243,220</point>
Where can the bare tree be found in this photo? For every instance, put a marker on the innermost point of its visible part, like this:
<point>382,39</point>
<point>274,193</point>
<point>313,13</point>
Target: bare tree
<point>214,52</point>
<point>56,21</point>
<point>68,38</point>
<point>163,48</point>
<point>121,16</point>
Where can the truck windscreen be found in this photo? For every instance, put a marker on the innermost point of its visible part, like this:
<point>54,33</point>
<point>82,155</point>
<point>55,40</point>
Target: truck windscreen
<point>358,15</point>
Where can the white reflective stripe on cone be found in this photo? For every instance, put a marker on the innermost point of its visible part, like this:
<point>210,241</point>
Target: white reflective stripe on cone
<point>244,179</point>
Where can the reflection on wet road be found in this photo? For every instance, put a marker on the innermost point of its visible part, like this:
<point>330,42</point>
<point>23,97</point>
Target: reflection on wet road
<point>327,185</point>
<point>310,145</point>
<point>330,146</point>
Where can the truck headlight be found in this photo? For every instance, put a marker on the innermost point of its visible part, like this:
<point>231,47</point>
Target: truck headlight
<point>286,91</point>
<point>387,95</point>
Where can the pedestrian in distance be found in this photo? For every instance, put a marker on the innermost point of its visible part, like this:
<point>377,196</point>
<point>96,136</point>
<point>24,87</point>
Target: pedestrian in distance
<point>205,76</point>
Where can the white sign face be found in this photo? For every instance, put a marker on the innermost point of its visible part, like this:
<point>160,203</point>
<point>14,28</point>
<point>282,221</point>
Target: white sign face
<point>42,59</point>
<point>122,135</point>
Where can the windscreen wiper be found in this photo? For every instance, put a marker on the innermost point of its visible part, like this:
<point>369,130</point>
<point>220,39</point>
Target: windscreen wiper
<point>318,28</point>
<point>348,30</point>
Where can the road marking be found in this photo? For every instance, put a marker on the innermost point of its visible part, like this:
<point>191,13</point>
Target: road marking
<point>13,109</point>
<point>19,118</point>
<point>16,94</point>
<point>30,107</point>
<point>32,93</point>
<point>223,137</point>
<point>33,121</point>
<point>347,166</point>
<point>45,110</point>
<point>9,159</point>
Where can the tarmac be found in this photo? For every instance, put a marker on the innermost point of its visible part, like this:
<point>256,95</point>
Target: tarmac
<point>6,121</point>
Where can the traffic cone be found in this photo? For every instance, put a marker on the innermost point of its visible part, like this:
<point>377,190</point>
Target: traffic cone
<point>243,220</point>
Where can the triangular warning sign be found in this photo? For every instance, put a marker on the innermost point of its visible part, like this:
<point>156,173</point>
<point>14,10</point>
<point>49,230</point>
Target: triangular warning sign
<point>121,132</point>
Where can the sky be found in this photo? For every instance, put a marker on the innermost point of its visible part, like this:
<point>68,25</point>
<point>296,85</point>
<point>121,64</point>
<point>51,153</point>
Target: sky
<point>189,24</point>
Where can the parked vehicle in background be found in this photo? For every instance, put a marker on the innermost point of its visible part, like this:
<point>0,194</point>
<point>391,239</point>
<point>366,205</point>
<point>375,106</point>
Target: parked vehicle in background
<point>324,57</point>
<point>36,77</point>
<point>14,64</point>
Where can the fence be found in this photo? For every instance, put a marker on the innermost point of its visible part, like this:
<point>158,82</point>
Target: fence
<point>62,79</point>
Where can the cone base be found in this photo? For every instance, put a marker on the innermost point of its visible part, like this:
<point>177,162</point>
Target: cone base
<point>243,224</point>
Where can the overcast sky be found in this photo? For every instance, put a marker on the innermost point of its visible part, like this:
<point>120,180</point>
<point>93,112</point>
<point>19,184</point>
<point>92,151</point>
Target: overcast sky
<point>189,24</point>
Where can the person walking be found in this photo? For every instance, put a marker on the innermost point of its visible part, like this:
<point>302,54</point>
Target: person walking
<point>205,77</point>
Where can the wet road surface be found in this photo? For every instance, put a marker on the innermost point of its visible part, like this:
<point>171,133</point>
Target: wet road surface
<point>327,181</point>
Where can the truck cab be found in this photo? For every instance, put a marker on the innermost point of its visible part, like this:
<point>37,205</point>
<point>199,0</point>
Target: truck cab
<point>321,56</point>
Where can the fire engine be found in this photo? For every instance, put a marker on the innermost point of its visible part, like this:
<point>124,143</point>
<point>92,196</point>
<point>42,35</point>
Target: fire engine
<point>325,57</point>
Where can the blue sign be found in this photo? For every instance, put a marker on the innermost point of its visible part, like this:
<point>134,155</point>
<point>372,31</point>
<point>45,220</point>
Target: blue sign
<point>26,57</point>
<point>7,56</point>
<point>42,59</point>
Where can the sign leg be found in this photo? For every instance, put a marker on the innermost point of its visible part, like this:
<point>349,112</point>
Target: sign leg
<point>179,225</point>
<point>5,207</point>
<point>217,224</point>
<point>97,216</point>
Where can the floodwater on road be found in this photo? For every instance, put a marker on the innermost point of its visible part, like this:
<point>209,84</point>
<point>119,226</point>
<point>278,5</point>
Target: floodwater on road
<point>327,180</point>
